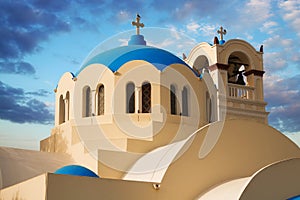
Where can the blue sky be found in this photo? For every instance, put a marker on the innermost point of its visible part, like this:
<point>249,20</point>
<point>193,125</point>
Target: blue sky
<point>40,40</point>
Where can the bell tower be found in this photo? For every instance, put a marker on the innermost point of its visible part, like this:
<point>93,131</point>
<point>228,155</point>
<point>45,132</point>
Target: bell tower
<point>236,69</point>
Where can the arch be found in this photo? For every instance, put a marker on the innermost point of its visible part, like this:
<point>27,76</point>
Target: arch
<point>67,106</point>
<point>185,101</point>
<point>238,63</point>
<point>204,49</point>
<point>86,102</point>
<point>130,97</point>
<point>146,97</point>
<point>61,110</point>
<point>200,63</point>
<point>173,99</point>
<point>100,99</point>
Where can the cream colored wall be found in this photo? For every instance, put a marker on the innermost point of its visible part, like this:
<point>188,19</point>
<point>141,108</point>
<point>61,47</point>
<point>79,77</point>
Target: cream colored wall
<point>118,131</point>
<point>61,187</point>
<point>243,148</point>
<point>65,84</point>
<point>277,181</point>
<point>33,189</point>
<point>237,45</point>
<point>203,49</point>
<point>232,107</point>
<point>92,76</point>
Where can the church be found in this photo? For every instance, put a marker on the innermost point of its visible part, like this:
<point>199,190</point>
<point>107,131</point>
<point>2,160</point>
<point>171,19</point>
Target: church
<point>138,122</point>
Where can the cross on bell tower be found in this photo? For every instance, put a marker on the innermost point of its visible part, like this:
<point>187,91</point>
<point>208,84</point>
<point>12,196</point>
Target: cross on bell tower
<point>137,24</point>
<point>222,32</point>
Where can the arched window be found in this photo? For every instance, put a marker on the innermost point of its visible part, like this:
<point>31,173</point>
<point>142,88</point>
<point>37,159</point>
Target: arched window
<point>173,100</point>
<point>100,100</point>
<point>146,97</point>
<point>130,98</point>
<point>87,103</point>
<point>61,110</point>
<point>67,107</point>
<point>185,103</point>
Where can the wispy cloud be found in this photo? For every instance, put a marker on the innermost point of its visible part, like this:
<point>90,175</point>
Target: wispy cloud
<point>291,13</point>
<point>259,10</point>
<point>282,95</point>
<point>18,67</point>
<point>269,27</point>
<point>193,27</point>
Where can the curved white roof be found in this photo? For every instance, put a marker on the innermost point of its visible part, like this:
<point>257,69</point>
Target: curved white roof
<point>17,165</point>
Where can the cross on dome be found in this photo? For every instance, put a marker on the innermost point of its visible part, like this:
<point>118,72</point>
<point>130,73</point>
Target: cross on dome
<point>137,24</point>
<point>222,32</point>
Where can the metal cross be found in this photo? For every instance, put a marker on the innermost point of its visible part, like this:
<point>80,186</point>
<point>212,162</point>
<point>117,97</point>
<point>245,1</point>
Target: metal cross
<point>137,24</point>
<point>222,32</point>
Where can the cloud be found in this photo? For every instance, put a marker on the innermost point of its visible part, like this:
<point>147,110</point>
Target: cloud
<point>275,61</point>
<point>51,5</point>
<point>20,107</point>
<point>282,95</point>
<point>17,68</point>
<point>179,10</point>
<point>291,13</point>
<point>281,53</point>
<point>278,41</point>
<point>209,30</point>
<point>22,28</point>
<point>40,93</point>
<point>123,15</point>
<point>193,26</point>
<point>269,27</point>
<point>122,11</point>
<point>260,9</point>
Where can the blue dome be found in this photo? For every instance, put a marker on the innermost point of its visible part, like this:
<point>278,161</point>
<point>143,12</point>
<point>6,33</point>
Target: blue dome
<point>295,198</point>
<point>116,57</point>
<point>76,170</point>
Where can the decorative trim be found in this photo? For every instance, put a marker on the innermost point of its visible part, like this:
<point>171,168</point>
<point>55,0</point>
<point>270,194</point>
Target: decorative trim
<point>218,66</point>
<point>255,72</point>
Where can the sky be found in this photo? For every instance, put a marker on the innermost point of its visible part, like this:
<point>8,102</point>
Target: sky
<point>40,40</point>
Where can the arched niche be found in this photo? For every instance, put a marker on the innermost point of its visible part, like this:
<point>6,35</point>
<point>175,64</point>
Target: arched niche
<point>67,107</point>
<point>238,64</point>
<point>200,63</point>
<point>86,102</point>
<point>130,97</point>
<point>61,110</point>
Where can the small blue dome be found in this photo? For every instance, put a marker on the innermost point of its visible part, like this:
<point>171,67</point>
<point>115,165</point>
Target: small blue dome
<point>222,42</point>
<point>76,170</point>
<point>295,198</point>
<point>137,40</point>
<point>117,57</point>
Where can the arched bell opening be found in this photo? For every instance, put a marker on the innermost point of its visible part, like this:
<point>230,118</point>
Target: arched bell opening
<point>238,64</point>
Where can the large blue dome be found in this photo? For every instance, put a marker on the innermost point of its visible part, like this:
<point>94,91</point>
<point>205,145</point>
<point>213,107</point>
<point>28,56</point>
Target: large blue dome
<point>76,170</point>
<point>116,57</point>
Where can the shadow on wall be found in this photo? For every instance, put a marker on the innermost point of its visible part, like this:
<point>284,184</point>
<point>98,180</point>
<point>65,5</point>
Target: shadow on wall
<point>55,143</point>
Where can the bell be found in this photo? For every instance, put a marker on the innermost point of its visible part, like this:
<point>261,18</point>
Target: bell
<point>240,80</point>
